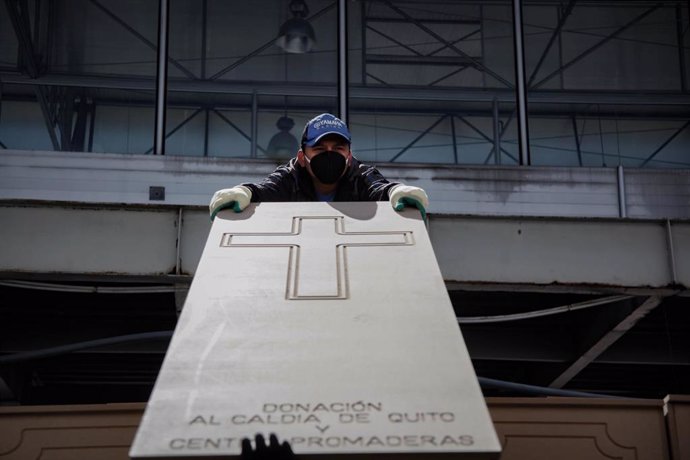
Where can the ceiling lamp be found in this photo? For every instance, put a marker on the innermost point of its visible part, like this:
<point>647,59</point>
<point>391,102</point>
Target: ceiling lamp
<point>296,35</point>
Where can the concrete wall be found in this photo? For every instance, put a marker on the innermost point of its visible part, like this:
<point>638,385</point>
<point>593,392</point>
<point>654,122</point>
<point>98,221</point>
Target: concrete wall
<point>486,190</point>
<point>92,214</point>
<point>166,241</point>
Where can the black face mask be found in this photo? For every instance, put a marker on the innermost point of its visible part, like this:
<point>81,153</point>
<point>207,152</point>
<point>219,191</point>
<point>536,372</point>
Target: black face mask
<point>327,166</point>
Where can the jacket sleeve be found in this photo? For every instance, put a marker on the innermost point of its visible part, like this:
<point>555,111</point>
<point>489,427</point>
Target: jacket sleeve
<point>371,184</point>
<point>277,186</point>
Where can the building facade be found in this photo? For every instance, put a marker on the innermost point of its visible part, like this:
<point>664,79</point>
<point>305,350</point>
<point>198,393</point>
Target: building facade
<point>552,137</point>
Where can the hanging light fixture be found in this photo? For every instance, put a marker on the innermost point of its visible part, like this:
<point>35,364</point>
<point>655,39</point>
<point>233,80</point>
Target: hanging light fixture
<point>296,35</point>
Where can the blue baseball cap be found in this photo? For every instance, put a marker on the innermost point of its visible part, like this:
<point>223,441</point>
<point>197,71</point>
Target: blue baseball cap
<point>323,125</point>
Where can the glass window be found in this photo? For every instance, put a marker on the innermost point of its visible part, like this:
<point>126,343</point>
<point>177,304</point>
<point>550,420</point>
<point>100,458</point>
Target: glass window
<point>241,76</point>
<point>601,78</point>
<point>609,135</point>
<point>22,125</point>
<point>422,80</point>
<point>96,62</point>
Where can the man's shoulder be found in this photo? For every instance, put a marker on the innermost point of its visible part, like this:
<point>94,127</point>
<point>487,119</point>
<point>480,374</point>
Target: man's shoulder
<point>362,169</point>
<point>289,168</point>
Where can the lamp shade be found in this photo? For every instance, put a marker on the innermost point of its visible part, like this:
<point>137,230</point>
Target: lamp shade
<point>296,36</point>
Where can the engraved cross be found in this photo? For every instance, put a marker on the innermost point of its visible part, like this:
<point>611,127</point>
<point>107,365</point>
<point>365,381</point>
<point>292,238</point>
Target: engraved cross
<point>317,262</point>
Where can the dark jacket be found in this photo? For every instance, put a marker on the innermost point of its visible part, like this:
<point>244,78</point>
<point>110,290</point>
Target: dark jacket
<point>292,182</point>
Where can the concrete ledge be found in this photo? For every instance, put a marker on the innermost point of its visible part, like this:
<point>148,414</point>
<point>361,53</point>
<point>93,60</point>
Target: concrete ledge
<point>453,189</point>
<point>166,241</point>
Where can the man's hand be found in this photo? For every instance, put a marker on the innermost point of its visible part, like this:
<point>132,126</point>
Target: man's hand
<point>407,195</point>
<point>236,198</point>
<point>273,451</point>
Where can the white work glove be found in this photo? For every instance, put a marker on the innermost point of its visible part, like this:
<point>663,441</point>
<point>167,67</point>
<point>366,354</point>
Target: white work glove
<point>407,195</point>
<point>236,198</point>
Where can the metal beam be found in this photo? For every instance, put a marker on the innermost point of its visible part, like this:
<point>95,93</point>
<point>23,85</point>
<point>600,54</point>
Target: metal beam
<point>204,34</point>
<point>161,78</point>
<point>622,206</point>
<point>455,141</point>
<point>521,84</point>
<point>452,22</point>
<point>397,42</point>
<point>65,117</point>
<point>372,76</point>
<point>92,125</point>
<point>577,140</point>
<point>78,139</point>
<point>464,37</point>
<point>497,132</point>
<point>448,75</point>
<point>343,100</point>
<point>396,59</point>
<point>681,48</point>
<point>659,98</point>
<point>606,341</point>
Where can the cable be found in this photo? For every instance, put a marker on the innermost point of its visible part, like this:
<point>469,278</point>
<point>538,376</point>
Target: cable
<point>545,312</point>
<point>536,390</point>
<point>92,289</point>
<point>64,349</point>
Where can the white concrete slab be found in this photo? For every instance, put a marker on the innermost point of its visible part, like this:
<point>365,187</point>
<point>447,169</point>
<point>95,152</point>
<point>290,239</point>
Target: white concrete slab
<point>326,324</point>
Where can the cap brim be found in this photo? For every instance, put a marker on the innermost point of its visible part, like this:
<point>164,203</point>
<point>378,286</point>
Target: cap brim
<point>313,142</point>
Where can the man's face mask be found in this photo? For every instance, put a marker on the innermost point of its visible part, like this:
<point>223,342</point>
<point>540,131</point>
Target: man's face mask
<point>328,166</point>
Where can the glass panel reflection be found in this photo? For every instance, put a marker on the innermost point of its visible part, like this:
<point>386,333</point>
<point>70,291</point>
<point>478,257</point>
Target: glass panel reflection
<point>423,80</point>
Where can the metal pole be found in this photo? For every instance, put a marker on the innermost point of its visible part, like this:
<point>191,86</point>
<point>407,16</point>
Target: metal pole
<point>523,132</point>
<point>671,253</point>
<point>178,248</point>
<point>255,124</point>
<point>622,208</point>
<point>455,141</point>
<point>681,49</point>
<point>162,78</point>
<point>577,141</point>
<point>92,126</point>
<point>497,134</point>
<point>206,128</point>
<point>204,33</point>
<point>363,15</point>
<point>342,61</point>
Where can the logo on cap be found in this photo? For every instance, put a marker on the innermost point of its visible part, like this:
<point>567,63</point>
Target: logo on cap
<point>322,125</point>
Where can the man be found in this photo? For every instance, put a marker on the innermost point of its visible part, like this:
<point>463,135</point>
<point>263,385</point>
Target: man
<point>323,170</point>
